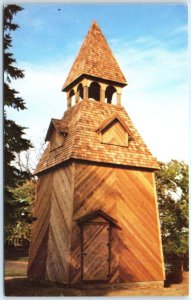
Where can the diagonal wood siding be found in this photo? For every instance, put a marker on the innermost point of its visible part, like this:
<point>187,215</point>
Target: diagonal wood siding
<point>115,134</point>
<point>93,189</point>
<point>95,252</point>
<point>40,232</point>
<point>49,249</point>
<point>129,197</point>
<point>70,192</point>
<point>60,225</point>
<point>139,241</point>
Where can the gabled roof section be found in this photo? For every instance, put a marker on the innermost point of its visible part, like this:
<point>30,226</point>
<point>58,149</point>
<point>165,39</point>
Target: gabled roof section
<point>98,213</point>
<point>109,120</point>
<point>95,59</point>
<point>59,125</point>
<point>83,143</point>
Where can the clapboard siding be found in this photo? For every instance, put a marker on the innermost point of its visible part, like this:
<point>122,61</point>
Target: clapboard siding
<point>128,196</point>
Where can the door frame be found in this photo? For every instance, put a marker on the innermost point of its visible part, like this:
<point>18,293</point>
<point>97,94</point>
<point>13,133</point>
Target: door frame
<point>82,252</point>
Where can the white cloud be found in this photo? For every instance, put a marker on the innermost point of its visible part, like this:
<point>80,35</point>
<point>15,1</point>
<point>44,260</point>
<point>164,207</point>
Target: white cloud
<point>157,96</point>
<point>41,90</point>
<point>181,29</point>
<point>37,24</point>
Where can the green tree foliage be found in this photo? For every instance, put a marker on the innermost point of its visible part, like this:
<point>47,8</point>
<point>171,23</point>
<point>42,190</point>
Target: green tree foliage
<point>19,231</point>
<point>172,189</point>
<point>14,142</point>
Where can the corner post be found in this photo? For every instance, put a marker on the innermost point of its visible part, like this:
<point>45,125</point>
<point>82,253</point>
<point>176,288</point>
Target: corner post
<point>86,84</point>
<point>102,92</point>
<point>69,103</point>
<point>119,93</point>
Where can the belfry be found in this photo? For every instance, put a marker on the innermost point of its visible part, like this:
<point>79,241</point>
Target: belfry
<point>95,72</point>
<point>96,206</point>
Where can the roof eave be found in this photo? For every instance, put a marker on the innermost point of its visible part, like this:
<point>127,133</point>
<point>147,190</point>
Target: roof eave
<point>69,85</point>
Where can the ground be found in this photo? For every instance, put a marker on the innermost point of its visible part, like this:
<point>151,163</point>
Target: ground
<point>17,284</point>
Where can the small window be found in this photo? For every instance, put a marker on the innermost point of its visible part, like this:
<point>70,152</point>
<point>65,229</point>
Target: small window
<point>115,134</point>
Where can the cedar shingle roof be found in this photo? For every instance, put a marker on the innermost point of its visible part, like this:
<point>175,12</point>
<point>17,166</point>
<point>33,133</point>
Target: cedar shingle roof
<point>83,141</point>
<point>96,59</point>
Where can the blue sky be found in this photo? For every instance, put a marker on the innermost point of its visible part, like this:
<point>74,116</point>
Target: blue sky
<point>150,44</point>
<point>54,30</point>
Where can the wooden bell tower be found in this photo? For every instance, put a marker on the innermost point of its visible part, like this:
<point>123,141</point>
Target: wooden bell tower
<point>96,205</point>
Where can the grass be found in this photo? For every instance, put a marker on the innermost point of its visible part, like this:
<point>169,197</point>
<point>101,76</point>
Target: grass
<point>16,268</point>
<point>15,272</point>
<point>16,285</point>
<point>24,287</point>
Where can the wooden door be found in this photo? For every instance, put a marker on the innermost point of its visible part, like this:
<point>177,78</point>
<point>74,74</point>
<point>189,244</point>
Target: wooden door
<point>96,252</point>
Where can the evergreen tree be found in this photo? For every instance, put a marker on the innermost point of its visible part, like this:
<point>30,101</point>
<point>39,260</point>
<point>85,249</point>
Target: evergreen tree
<point>14,142</point>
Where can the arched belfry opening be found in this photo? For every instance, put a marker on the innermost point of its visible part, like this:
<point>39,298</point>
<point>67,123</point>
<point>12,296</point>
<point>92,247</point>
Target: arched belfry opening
<point>80,92</point>
<point>110,90</point>
<point>94,91</point>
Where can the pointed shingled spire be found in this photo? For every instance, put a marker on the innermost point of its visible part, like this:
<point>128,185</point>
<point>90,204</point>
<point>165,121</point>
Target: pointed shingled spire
<point>95,59</point>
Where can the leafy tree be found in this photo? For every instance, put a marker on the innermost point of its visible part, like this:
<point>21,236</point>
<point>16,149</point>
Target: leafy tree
<point>18,232</point>
<point>14,142</point>
<point>172,190</point>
